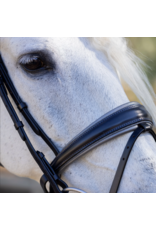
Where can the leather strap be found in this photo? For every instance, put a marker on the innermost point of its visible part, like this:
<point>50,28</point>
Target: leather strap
<point>122,120</point>
<point>39,157</point>
<point>5,78</point>
<point>142,128</point>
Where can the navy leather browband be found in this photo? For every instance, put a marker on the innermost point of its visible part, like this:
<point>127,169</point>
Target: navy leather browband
<point>126,118</point>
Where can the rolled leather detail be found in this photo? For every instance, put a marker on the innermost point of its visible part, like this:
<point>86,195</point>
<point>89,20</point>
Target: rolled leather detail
<point>121,118</point>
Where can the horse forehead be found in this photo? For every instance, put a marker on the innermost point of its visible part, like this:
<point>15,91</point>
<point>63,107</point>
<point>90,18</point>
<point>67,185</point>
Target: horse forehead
<point>18,46</point>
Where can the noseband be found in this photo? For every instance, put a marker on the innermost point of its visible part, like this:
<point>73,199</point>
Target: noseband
<point>126,118</point>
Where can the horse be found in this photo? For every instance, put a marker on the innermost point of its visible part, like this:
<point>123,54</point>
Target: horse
<point>67,84</point>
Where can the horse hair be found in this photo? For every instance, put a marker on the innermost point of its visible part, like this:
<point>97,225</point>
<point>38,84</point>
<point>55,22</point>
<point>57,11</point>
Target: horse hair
<point>130,68</point>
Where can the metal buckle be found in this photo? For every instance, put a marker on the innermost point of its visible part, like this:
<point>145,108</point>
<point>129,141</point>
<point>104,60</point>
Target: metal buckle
<point>71,189</point>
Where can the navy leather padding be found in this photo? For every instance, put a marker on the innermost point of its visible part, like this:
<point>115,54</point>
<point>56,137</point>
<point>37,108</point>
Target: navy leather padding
<point>123,117</point>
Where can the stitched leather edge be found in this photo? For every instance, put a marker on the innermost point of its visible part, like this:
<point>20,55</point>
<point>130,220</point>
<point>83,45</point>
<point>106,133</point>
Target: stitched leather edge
<point>100,137</point>
<point>103,120</point>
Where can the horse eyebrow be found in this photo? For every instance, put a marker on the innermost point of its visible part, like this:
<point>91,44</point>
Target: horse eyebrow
<point>35,51</point>
<point>34,46</point>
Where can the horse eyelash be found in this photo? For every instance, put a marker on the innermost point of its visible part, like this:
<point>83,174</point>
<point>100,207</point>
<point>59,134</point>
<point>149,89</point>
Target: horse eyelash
<point>26,60</point>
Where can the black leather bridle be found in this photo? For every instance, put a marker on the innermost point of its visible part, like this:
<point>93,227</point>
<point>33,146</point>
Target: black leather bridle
<point>126,118</point>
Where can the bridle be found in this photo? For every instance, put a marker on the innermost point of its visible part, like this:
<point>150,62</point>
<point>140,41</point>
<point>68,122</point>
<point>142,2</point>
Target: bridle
<point>126,118</point>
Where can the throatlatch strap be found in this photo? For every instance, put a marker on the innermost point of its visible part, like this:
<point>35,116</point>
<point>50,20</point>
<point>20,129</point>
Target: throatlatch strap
<point>116,182</point>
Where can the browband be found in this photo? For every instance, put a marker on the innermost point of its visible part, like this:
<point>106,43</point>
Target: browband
<point>121,120</point>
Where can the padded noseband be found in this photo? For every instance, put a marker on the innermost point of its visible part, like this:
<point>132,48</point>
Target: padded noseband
<point>123,119</point>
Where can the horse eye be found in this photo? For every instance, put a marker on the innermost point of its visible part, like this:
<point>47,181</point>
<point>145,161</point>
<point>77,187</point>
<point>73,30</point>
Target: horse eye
<point>34,64</point>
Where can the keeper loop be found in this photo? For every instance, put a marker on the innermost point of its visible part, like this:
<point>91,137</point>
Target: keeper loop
<point>40,154</point>
<point>145,126</point>
<point>18,125</point>
<point>22,106</point>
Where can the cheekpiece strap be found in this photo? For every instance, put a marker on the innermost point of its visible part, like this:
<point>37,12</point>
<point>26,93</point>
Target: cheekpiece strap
<point>141,129</point>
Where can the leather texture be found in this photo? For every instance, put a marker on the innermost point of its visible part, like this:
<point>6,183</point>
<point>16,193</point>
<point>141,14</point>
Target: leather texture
<point>22,106</point>
<point>143,127</point>
<point>121,118</point>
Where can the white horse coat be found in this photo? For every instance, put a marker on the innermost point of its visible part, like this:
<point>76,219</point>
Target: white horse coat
<point>79,84</point>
